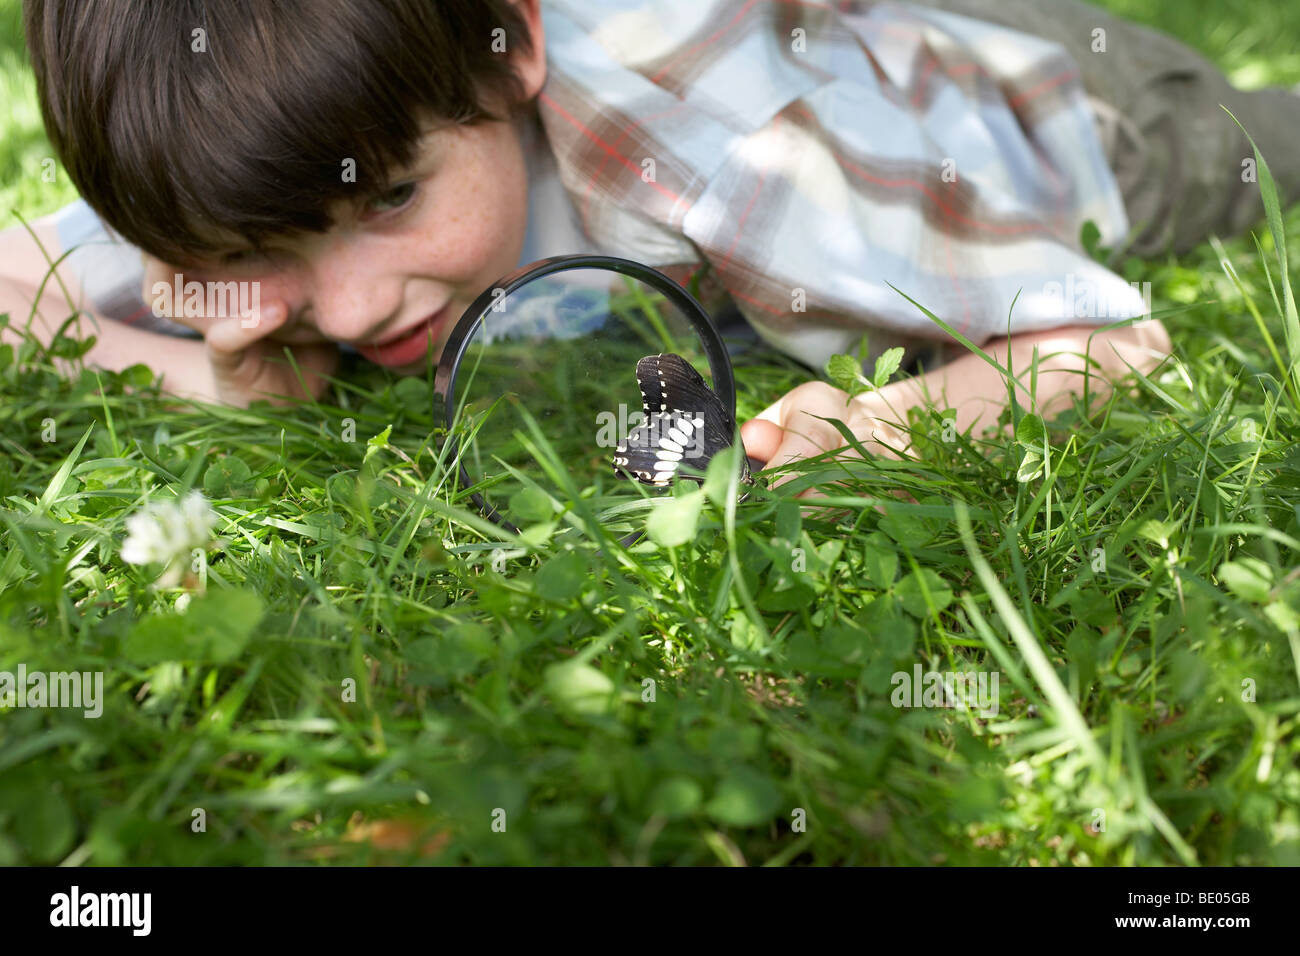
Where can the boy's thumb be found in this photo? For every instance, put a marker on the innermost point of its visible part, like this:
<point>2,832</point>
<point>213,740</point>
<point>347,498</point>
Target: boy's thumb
<point>273,313</point>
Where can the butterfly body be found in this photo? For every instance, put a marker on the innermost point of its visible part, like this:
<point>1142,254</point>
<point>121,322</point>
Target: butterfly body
<point>685,424</point>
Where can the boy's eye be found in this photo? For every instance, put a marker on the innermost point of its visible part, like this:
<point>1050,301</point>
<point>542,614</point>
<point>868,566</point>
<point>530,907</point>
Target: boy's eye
<point>394,198</point>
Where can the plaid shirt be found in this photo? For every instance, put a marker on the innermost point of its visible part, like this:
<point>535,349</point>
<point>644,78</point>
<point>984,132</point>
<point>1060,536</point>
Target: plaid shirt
<point>813,154</point>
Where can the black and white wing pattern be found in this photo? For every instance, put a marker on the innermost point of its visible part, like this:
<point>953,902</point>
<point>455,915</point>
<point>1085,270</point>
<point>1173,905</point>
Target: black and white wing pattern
<point>685,424</point>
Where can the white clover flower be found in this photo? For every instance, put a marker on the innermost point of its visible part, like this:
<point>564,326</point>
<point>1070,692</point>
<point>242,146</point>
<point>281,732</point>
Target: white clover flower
<point>166,532</point>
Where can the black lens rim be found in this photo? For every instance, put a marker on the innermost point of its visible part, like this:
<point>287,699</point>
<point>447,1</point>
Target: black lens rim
<point>724,381</point>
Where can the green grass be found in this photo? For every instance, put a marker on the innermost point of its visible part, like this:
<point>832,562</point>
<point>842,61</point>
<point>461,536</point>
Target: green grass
<point>24,147</point>
<point>672,703</point>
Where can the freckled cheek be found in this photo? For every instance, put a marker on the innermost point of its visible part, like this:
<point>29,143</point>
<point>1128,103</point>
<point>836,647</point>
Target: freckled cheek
<point>480,230</point>
<point>474,226</point>
<point>460,252</point>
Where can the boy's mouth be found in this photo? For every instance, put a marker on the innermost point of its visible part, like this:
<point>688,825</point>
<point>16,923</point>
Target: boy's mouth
<point>409,347</point>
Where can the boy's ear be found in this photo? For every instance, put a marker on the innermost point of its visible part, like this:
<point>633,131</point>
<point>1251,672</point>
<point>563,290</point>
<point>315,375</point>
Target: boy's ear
<point>531,68</point>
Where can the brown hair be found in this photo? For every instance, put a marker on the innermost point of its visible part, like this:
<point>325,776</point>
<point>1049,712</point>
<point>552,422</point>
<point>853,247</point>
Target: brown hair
<point>173,147</point>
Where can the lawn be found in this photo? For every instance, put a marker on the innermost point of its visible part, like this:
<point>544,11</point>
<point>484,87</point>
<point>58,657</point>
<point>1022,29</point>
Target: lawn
<point>364,671</point>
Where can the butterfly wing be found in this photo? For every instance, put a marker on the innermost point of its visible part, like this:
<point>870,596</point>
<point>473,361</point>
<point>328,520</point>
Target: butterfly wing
<point>685,423</point>
<point>656,449</point>
<point>670,383</point>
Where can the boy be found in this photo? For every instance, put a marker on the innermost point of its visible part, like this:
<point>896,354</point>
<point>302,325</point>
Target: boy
<point>811,154</point>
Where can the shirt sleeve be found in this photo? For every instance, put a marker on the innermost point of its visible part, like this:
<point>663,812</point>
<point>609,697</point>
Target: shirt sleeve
<point>109,270</point>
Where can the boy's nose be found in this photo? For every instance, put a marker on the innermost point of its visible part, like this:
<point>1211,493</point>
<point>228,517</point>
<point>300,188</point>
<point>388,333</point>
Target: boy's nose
<point>342,298</point>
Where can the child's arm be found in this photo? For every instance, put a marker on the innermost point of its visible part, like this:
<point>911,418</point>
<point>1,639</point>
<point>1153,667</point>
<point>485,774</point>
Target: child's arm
<point>787,430</point>
<point>231,365</point>
<point>25,258</point>
<point>182,362</point>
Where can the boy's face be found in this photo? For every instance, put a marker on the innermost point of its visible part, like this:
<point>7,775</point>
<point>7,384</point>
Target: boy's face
<point>409,263</point>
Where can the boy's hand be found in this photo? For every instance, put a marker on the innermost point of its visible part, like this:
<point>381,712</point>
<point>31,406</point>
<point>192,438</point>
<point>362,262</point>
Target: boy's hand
<point>789,430</point>
<point>1071,361</point>
<point>247,364</point>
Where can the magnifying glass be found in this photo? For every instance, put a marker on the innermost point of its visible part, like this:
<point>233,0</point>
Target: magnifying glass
<point>587,374</point>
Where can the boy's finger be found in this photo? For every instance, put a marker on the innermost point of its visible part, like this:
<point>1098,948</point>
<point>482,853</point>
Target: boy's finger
<point>761,439</point>
<point>806,437</point>
<point>227,339</point>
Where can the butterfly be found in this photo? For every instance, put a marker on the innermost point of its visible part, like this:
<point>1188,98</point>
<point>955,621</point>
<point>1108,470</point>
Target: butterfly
<point>685,424</point>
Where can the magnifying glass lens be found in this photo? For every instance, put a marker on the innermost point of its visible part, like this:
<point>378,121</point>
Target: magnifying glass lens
<point>562,350</point>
